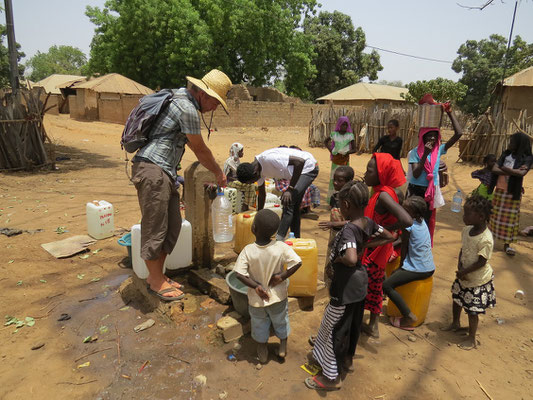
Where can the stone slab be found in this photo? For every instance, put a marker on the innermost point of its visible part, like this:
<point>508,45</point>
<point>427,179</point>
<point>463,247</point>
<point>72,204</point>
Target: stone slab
<point>210,283</point>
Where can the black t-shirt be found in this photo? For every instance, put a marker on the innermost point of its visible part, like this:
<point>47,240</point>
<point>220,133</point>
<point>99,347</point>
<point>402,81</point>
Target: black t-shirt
<point>393,147</point>
<point>334,200</point>
<point>349,284</point>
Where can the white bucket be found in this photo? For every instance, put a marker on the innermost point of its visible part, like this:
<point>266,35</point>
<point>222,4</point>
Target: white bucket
<point>100,219</point>
<point>180,257</point>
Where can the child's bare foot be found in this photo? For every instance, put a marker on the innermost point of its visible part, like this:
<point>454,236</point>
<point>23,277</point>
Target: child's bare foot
<point>348,364</point>
<point>454,328</point>
<point>282,352</point>
<point>371,331</point>
<point>262,352</point>
<point>468,344</point>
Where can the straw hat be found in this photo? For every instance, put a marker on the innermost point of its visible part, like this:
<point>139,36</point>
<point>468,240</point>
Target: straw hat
<point>216,84</point>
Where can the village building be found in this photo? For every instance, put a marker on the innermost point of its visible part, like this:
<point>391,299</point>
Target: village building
<point>57,102</point>
<point>109,98</point>
<point>366,95</point>
<point>517,96</point>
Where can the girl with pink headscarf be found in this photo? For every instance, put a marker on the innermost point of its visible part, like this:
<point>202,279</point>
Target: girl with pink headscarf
<point>424,163</point>
<point>340,143</point>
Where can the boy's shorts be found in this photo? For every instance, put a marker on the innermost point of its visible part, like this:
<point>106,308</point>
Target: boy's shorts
<point>276,314</point>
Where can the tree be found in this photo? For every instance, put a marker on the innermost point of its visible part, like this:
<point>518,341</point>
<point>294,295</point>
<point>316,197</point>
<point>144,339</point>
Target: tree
<point>4,58</point>
<point>482,64</point>
<point>391,83</point>
<point>58,60</point>
<point>339,57</point>
<point>159,42</point>
<point>442,90</point>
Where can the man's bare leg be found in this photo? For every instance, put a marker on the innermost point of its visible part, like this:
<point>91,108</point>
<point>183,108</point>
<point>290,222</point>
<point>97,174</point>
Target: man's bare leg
<point>157,280</point>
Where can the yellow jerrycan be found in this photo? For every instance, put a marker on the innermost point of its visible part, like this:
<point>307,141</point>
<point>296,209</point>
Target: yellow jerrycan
<point>303,282</point>
<point>416,294</point>
<point>243,231</point>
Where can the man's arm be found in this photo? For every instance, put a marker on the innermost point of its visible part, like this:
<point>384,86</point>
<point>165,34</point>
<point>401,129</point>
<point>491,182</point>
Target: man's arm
<point>203,154</point>
<point>298,164</point>
<point>261,196</point>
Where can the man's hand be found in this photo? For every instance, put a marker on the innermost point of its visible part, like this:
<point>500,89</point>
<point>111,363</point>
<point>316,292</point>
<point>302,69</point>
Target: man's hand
<point>261,292</point>
<point>275,280</point>
<point>222,181</point>
<point>286,198</point>
<point>325,225</point>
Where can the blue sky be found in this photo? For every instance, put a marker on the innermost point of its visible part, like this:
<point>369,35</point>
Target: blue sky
<point>427,28</point>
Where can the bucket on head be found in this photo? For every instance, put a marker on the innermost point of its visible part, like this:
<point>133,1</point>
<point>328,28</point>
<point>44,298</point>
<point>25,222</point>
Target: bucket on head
<point>429,115</point>
<point>239,294</point>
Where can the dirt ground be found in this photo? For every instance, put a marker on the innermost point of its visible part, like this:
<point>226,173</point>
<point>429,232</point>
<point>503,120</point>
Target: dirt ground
<point>34,284</point>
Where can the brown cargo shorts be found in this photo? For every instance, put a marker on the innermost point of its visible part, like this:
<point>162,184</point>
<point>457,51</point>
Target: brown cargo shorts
<point>160,208</point>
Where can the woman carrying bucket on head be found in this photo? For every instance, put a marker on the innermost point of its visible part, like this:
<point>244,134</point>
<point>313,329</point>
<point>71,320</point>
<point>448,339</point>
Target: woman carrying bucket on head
<point>340,144</point>
<point>424,163</point>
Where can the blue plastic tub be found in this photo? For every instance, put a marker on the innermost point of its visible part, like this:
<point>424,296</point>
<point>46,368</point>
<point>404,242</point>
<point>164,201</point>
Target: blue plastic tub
<point>126,241</point>
<point>239,294</point>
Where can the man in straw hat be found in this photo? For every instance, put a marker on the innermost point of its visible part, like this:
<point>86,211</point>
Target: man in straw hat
<point>154,172</point>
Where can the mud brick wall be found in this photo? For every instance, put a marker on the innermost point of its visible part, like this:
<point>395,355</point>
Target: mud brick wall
<point>115,108</point>
<point>264,114</point>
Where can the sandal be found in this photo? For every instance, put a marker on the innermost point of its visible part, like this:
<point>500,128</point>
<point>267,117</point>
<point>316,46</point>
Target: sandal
<point>171,282</point>
<point>396,322</point>
<point>315,384</point>
<point>312,340</point>
<point>510,251</point>
<point>167,290</point>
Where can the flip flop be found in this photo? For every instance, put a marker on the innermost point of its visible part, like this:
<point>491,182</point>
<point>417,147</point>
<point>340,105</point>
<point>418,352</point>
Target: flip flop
<point>167,290</point>
<point>315,384</point>
<point>510,251</point>
<point>170,281</point>
<point>312,340</point>
<point>395,321</point>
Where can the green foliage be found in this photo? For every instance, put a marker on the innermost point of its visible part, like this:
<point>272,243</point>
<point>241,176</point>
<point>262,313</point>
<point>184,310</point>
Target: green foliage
<point>58,60</point>
<point>339,57</point>
<point>482,65</point>
<point>4,58</point>
<point>442,90</point>
<point>159,42</point>
<point>391,83</point>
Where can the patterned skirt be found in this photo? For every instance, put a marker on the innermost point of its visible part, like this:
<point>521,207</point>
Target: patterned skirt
<point>374,297</point>
<point>474,300</point>
<point>505,216</point>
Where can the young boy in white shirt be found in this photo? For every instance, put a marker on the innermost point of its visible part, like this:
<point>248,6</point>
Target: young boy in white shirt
<point>260,266</point>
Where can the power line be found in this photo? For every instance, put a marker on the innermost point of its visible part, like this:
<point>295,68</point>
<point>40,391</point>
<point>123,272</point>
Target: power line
<point>410,55</point>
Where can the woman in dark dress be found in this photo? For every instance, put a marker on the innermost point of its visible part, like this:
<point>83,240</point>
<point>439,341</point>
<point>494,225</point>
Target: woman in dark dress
<point>390,143</point>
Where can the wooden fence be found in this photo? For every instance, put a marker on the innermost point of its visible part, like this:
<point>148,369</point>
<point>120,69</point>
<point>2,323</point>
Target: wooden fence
<point>489,134</point>
<point>22,134</point>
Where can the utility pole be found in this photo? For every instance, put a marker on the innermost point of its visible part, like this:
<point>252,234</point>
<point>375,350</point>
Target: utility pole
<point>12,47</point>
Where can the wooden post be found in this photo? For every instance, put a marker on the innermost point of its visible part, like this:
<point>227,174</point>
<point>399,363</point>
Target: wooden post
<point>12,47</point>
<point>198,213</point>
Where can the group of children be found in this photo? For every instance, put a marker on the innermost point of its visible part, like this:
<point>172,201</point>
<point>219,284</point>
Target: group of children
<point>354,235</point>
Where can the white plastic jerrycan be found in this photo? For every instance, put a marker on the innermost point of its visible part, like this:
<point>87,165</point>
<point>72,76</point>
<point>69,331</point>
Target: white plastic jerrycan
<point>100,219</point>
<point>180,257</point>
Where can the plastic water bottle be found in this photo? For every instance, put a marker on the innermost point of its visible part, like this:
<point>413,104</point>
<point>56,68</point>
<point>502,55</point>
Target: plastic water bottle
<point>221,212</point>
<point>291,235</point>
<point>457,201</point>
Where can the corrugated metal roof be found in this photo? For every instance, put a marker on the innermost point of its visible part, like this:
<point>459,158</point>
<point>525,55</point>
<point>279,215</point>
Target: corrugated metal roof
<point>51,83</point>
<point>114,83</point>
<point>521,78</point>
<point>367,91</point>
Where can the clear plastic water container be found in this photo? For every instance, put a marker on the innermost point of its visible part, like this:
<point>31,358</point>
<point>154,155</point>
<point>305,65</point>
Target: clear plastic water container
<point>221,214</point>
<point>457,201</point>
<point>277,208</point>
<point>180,257</point>
<point>100,219</point>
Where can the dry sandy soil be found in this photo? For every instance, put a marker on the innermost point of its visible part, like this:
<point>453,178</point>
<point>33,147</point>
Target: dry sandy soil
<point>34,284</point>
